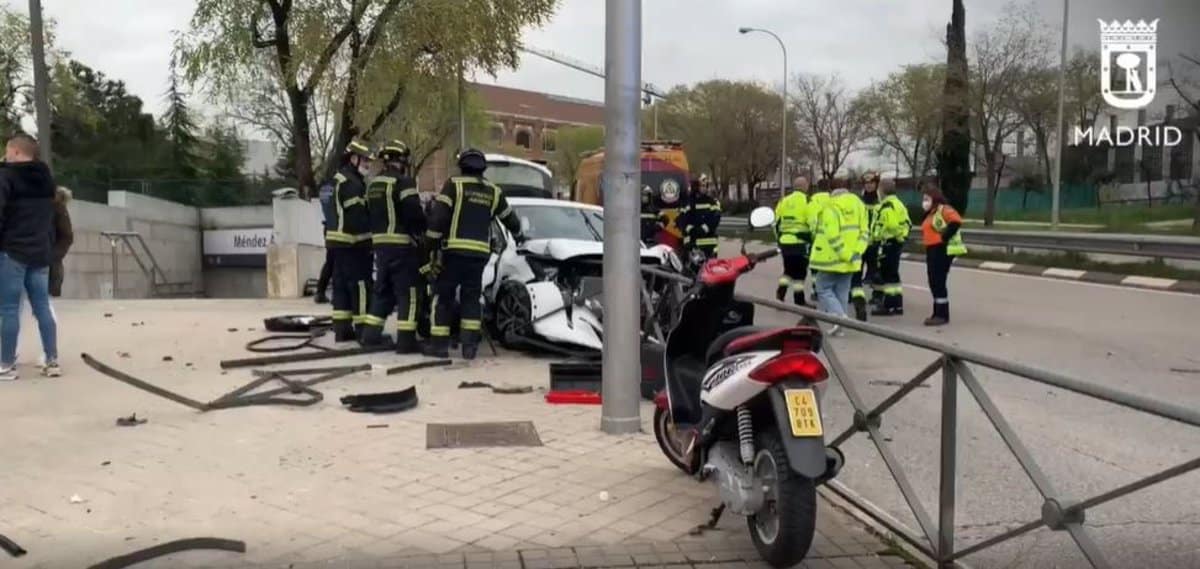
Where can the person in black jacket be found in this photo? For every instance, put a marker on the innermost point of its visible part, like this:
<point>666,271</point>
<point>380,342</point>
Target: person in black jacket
<point>348,239</point>
<point>27,193</point>
<point>397,223</point>
<point>459,229</point>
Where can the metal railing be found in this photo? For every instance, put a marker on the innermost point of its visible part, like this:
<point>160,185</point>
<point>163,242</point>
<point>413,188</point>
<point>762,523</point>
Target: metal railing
<point>159,284</point>
<point>1137,245</point>
<point>937,540</point>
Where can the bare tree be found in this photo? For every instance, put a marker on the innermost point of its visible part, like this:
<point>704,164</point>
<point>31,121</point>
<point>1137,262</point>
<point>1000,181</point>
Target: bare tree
<point>1002,58</point>
<point>1083,89</point>
<point>1036,108</point>
<point>831,120</point>
<point>904,115</point>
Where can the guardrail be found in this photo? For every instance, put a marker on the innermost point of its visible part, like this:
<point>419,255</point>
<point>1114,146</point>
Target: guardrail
<point>1155,246</point>
<point>955,364</point>
<point>159,284</point>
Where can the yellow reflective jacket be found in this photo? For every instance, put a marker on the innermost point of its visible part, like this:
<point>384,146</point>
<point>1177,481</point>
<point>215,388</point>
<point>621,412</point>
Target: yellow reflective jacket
<point>792,215</point>
<point>840,236</point>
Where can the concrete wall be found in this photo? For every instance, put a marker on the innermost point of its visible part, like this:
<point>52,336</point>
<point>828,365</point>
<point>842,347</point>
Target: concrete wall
<point>298,251</point>
<point>173,233</point>
<point>170,231</point>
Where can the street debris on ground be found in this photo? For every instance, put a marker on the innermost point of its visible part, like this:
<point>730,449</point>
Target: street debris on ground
<point>11,546</point>
<point>130,421</point>
<point>386,402</point>
<point>169,548</point>
<point>502,389</point>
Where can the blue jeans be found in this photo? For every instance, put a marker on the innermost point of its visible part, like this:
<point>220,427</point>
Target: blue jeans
<point>833,292</point>
<point>15,279</point>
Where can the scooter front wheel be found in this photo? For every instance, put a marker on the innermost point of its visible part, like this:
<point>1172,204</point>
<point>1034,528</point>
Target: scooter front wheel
<point>782,531</point>
<point>670,440</point>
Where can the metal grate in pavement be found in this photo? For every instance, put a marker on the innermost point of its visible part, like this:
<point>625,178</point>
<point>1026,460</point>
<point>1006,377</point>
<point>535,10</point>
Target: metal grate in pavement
<point>479,435</point>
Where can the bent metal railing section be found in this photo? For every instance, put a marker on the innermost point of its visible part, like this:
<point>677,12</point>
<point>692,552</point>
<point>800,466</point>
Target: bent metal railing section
<point>1058,512</point>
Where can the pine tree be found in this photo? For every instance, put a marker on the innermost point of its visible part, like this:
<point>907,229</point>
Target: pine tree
<point>180,128</point>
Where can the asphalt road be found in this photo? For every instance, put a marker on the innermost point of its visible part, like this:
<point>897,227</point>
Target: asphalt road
<point>1123,338</point>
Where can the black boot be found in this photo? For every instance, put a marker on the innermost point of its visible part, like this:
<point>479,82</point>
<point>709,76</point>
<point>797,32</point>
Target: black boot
<point>320,298</point>
<point>371,336</point>
<point>343,331</point>
<point>781,293</point>
<point>860,308</point>
<point>437,347</point>
<point>470,351</point>
<point>406,343</point>
<point>798,298</point>
<point>941,315</point>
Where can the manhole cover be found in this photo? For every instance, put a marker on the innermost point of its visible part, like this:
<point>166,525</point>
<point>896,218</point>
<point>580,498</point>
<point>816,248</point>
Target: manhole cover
<point>476,435</point>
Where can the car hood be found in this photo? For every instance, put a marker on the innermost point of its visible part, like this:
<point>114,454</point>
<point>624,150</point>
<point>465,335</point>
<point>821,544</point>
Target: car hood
<point>567,249</point>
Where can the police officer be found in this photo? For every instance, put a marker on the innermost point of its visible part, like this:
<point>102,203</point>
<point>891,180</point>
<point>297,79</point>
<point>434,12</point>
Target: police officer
<point>858,293</point>
<point>461,222</point>
<point>348,239</point>
<point>397,221</point>
<point>892,226</point>
<point>701,218</point>
<point>793,237</point>
<point>649,217</point>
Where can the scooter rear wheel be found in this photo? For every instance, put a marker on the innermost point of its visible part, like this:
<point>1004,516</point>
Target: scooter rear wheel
<point>669,440</point>
<point>783,530</point>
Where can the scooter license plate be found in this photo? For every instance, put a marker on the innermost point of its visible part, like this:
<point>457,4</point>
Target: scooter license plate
<point>803,413</point>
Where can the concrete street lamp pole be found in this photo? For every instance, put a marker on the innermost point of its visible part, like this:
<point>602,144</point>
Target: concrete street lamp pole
<point>784,126</point>
<point>622,202</point>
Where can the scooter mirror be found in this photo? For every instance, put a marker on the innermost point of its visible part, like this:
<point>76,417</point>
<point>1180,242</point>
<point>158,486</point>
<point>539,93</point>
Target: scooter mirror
<point>762,217</point>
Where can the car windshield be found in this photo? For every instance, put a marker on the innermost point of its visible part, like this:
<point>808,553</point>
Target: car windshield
<point>509,174</point>
<point>556,222</point>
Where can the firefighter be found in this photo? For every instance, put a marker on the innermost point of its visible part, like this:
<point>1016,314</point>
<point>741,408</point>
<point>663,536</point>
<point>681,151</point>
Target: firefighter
<point>397,222</point>
<point>650,217</point>
<point>892,225</point>
<point>794,238</point>
<point>701,218</point>
<point>348,239</point>
<point>858,294</point>
<point>459,226</point>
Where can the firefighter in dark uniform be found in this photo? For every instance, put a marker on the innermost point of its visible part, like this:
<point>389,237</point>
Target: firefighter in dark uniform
<point>701,218</point>
<point>459,227</point>
<point>858,293</point>
<point>397,223</point>
<point>650,217</point>
<point>348,239</point>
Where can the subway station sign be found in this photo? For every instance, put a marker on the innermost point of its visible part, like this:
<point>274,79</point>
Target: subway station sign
<point>245,248</point>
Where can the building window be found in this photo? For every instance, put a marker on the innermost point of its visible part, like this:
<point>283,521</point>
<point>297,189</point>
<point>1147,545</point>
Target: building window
<point>549,140</point>
<point>524,139</point>
<point>497,134</point>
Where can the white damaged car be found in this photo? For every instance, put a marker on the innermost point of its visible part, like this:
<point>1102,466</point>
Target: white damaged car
<point>548,290</point>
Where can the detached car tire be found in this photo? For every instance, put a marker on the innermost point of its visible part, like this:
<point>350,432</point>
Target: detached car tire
<point>297,323</point>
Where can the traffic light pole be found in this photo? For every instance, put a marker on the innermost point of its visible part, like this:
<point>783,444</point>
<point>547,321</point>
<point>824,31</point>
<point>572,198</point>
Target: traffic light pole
<point>622,183</point>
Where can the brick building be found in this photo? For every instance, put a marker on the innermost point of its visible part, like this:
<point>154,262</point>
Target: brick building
<point>521,123</point>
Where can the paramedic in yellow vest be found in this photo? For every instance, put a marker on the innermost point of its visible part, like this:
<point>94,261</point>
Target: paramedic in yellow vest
<point>839,239</point>
<point>891,230</point>
<point>941,235</point>
<point>817,199</point>
<point>794,238</point>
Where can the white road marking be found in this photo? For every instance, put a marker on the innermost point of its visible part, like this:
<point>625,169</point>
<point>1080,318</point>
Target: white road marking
<point>917,287</point>
<point>996,266</point>
<point>1063,273</point>
<point>1149,281</point>
<point>1069,283</point>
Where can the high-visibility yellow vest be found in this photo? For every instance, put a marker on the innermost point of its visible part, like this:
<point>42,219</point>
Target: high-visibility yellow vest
<point>892,223</point>
<point>955,247</point>
<point>792,213</point>
<point>839,238</point>
<point>816,204</point>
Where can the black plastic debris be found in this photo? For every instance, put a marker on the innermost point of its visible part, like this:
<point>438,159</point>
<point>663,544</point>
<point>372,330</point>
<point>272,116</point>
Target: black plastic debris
<point>129,559</point>
<point>11,546</point>
<point>387,402</point>
<point>130,421</point>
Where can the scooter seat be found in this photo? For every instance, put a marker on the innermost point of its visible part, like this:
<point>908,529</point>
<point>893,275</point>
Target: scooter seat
<point>716,351</point>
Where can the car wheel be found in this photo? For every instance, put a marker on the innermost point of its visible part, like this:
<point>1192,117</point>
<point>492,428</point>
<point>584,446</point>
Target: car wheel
<point>513,314</point>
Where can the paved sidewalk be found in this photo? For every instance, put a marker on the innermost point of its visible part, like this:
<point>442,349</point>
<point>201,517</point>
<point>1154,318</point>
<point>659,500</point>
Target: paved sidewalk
<point>316,487</point>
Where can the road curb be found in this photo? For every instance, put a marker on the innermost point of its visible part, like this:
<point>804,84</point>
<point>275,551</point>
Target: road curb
<point>1099,277</point>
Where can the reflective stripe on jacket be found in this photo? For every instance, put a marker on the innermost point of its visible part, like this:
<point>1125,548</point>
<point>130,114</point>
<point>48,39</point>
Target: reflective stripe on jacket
<point>792,216</point>
<point>347,222</point>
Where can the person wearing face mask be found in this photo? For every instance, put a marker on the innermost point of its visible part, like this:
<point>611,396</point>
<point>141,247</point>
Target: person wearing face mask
<point>348,240</point>
<point>943,242</point>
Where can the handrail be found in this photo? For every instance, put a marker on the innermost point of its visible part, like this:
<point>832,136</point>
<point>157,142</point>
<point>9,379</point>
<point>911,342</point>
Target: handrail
<point>937,539</point>
<point>153,273</point>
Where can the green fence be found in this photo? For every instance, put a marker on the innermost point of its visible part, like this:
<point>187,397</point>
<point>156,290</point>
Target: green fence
<point>202,193</point>
<point>1012,200</point>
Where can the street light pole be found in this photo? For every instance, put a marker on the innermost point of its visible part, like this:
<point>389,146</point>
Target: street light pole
<point>784,125</point>
<point>620,406</point>
<point>41,81</point>
<point>1062,143</point>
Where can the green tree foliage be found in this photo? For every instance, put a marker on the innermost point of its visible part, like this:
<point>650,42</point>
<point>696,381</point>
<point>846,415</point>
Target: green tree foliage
<point>180,127</point>
<point>363,51</point>
<point>14,65</point>
<point>954,157</point>
<point>570,145</point>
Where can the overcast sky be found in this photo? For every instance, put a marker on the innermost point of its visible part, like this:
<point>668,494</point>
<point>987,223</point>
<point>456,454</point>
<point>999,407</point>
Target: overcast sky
<point>684,41</point>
